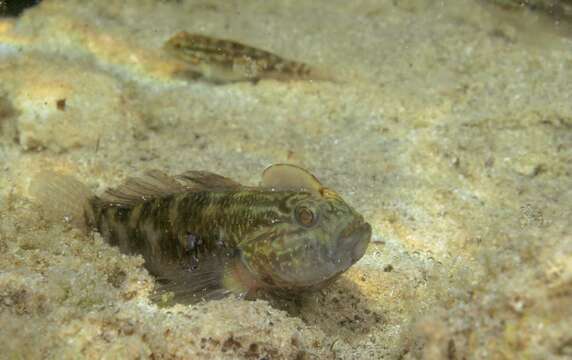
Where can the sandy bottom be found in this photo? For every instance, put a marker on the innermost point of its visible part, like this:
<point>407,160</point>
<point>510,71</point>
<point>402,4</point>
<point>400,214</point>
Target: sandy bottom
<point>449,128</point>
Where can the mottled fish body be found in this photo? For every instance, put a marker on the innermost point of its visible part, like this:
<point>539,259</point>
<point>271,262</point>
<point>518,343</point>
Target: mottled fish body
<point>221,60</point>
<point>205,236</point>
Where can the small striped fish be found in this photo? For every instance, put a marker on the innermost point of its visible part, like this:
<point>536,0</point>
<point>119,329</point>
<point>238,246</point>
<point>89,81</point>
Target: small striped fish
<point>222,61</point>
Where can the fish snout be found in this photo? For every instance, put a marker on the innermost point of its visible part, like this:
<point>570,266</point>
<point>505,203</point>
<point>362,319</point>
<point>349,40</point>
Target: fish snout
<point>356,242</point>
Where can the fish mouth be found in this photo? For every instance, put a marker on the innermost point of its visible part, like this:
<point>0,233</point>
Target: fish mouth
<point>355,244</point>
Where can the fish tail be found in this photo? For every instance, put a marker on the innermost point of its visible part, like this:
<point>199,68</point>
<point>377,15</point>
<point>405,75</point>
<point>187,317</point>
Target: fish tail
<point>62,198</point>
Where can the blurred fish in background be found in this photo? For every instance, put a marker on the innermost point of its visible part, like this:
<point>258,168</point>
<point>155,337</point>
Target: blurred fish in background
<point>11,8</point>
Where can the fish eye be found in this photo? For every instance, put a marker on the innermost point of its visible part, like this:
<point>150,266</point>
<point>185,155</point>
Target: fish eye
<point>305,216</point>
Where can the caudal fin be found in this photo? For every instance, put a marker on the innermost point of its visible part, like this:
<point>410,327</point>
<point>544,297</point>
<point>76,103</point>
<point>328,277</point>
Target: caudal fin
<point>62,198</point>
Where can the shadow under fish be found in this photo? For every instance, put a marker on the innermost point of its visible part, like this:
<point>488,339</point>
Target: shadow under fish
<point>204,236</point>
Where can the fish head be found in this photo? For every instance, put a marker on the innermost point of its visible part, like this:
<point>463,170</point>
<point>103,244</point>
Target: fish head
<point>318,237</point>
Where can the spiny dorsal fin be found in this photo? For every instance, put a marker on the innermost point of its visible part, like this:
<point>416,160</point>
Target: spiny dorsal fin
<point>289,177</point>
<point>155,183</point>
<point>152,184</point>
<point>204,180</point>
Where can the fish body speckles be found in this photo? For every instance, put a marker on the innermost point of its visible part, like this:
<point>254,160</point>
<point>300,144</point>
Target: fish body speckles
<point>221,60</point>
<point>171,227</point>
<point>205,236</point>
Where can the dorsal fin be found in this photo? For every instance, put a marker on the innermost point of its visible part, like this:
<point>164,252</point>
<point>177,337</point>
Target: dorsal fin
<point>153,183</point>
<point>289,177</point>
<point>204,180</point>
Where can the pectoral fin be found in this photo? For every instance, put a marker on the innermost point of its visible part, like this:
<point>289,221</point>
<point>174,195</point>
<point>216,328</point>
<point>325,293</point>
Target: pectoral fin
<point>214,277</point>
<point>289,177</point>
